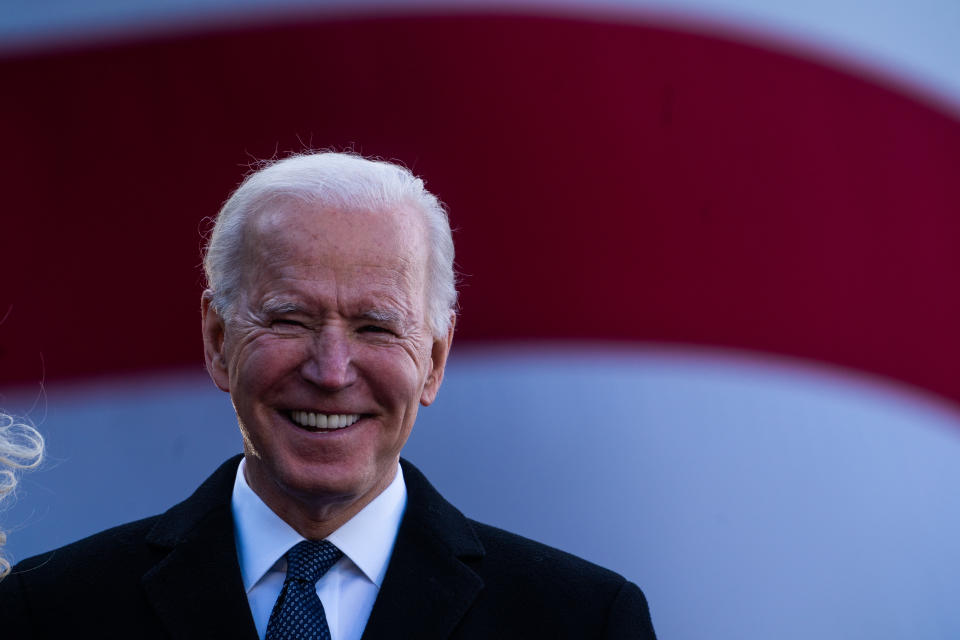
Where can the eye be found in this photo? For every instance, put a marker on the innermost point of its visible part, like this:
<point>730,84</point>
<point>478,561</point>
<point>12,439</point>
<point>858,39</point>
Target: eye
<point>372,328</point>
<point>286,325</point>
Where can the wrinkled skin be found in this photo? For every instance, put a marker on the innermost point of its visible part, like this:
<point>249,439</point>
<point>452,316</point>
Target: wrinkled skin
<point>331,319</point>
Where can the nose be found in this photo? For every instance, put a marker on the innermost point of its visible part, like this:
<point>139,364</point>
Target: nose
<point>329,364</point>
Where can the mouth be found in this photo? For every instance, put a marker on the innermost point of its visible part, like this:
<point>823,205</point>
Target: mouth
<point>320,422</point>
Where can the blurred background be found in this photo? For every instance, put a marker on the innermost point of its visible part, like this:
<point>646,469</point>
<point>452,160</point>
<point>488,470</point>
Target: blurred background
<point>709,255</point>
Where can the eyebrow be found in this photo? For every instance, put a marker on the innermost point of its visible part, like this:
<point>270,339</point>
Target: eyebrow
<point>279,307</point>
<point>384,316</point>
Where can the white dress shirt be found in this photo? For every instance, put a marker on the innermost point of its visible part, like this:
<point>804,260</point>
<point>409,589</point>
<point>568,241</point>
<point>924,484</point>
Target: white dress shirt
<point>349,589</point>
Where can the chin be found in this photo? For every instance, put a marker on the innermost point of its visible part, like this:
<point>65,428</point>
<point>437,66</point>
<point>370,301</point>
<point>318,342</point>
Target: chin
<point>311,481</point>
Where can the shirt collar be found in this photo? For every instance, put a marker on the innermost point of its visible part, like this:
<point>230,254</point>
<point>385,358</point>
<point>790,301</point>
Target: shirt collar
<point>367,539</point>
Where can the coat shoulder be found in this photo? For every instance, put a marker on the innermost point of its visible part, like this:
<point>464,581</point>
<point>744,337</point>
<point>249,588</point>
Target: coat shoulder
<point>527,560</point>
<point>53,593</point>
<point>518,588</point>
<point>87,559</point>
<point>566,595</point>
<point>515,554</point>
<point>50,593</point>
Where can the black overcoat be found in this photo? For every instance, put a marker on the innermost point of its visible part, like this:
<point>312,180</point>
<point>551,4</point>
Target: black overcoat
<point>176,575</point>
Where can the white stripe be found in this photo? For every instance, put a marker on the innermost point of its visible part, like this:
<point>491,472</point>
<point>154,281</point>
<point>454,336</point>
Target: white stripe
<point>750,497</point>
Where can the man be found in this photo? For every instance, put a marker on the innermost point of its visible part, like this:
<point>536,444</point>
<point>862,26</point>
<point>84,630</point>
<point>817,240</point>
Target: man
<point>328,318</point>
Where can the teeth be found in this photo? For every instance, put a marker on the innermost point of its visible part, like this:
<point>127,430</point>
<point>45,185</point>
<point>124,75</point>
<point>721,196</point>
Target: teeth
<point>324,420</point>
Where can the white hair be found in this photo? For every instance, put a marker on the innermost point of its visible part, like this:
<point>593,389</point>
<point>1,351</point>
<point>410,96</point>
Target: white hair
<point>21,447</point>
<point>342,181</point>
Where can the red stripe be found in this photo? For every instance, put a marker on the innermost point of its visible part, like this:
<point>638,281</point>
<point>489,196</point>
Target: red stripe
<point>609,181</point>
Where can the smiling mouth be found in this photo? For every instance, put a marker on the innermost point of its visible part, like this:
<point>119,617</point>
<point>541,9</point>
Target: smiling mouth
<point>312,421</point>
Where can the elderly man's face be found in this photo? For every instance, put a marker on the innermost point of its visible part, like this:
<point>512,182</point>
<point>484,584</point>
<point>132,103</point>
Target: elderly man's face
<point>328,353</point>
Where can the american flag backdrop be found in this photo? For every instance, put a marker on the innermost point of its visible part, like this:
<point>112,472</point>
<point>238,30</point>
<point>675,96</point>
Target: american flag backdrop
<point>709,304</point>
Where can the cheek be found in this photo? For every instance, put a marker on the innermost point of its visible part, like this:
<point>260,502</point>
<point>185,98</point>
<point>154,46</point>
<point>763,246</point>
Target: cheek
<point>262,362</point>
<point>398,375</point>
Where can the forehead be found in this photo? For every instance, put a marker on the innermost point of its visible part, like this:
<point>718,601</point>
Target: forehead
<point>295,238</point>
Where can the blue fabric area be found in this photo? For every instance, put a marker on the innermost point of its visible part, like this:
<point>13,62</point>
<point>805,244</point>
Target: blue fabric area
<point>298,613</point>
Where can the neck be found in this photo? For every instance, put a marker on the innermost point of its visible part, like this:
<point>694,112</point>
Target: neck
<point>313,515</point>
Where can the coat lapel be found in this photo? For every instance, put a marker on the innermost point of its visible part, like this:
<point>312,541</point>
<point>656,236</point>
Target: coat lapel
<point>197,592</point>
<point>428,587</point>
<point>196,589</point>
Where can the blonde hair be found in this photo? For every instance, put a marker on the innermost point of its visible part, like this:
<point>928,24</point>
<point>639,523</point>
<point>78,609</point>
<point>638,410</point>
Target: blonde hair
<point>21,447</point>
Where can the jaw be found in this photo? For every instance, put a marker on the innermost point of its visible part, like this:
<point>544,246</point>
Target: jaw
<point>313,504</point>
<point>316,479</point>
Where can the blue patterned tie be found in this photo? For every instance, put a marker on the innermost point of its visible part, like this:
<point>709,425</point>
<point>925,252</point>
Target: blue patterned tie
<point>298,614</point>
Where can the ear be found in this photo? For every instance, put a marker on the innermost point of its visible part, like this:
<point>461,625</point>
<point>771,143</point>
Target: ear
<point>438,358</point>
<point>213,335</point>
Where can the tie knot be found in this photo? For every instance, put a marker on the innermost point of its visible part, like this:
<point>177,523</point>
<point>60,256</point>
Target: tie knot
<point>309,560</point>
